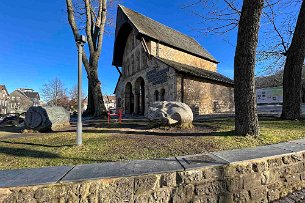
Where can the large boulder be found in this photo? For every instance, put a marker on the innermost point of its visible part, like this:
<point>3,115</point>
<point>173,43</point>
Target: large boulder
<point>170,113</point>
<point>47,118</point>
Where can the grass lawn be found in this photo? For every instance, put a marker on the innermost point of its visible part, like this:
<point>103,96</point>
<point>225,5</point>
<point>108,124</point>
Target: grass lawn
<point>103,143</point>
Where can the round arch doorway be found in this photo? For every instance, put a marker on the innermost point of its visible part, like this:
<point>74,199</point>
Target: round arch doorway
<point>129,99</point>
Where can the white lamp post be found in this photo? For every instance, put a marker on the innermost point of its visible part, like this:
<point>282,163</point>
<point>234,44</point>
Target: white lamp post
<point>80,40</point>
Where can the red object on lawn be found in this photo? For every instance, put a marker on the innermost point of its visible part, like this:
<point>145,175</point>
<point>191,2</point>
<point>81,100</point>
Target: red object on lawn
<point>119,114</point>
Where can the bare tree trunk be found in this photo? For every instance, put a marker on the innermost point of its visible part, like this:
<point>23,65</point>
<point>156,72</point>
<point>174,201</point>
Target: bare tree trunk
<point>90,106</point>
<point>96,93</point>
<point>292,79</point>
<point>246,121</point>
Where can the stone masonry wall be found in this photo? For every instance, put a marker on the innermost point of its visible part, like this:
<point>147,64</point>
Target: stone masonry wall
<point>258,180</point>
<point>205,97</point>
<point>169,53</point>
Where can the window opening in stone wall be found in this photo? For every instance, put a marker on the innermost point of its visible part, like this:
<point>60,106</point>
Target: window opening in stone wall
<point>129,99</point>
<point>156,95</point>
<point>140,96</point>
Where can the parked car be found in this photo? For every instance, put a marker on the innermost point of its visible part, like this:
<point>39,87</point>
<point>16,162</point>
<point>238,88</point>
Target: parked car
<point>12,119</point>
<point>112,110</point>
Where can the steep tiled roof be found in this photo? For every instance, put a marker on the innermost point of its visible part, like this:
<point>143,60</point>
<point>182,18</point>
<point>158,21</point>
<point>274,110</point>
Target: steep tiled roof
<point>166,35</point>
<point>32,95</point>
<point>197,72</point>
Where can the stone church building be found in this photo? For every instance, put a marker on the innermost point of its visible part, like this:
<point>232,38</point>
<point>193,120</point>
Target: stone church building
<point>157,63</point>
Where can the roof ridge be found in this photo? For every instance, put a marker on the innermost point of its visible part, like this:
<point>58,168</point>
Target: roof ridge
<point>22,93</point>
<point>160,23</point>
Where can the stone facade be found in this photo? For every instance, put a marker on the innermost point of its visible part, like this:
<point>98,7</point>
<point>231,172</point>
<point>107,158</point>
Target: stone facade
<point>139,69</point>
<point>259,180</point>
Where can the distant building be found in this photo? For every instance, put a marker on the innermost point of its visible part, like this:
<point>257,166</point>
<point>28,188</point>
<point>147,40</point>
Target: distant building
<point>109,101</point>
<point>269,95</point>
<point>22,99</point>
<point>4,97</point>
<point>84,104</point>
<point>269,89</point>
<point>32,95</point>
<point>74,105</point>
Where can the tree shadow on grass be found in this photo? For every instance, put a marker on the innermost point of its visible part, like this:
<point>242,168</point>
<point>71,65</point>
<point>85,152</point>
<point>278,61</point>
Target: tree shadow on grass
<point>21,152</point>
<point>36,144</point>
<point>11,129</point>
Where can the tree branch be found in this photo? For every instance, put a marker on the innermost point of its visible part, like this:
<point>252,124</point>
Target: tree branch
<point>232,7</point>
<point>71,18</point>
<point>272,21</point>
<point>102,16</point>
<point>89,25</point>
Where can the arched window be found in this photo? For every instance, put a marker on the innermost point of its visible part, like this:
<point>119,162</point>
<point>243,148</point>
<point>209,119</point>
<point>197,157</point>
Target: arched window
<point>162,95</point>
<point>156,95</point>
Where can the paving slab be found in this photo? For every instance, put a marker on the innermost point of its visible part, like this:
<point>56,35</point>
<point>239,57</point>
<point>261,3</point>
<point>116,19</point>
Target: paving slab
<point>32,176</point>
<point>100,170</point>
<point>300,141</point>
<point>291,146</point>
<point>121,169</point>
<point>250,153</point>
<point>156,166</point>
<point>200,160</point>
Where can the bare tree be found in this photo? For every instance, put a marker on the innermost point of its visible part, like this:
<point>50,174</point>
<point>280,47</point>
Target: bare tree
<point>54,93</point>
<point>221,17</point>
<point>292,79</point>
<point>94,12</point>
<point>73,98</point>
<point>246,120</point>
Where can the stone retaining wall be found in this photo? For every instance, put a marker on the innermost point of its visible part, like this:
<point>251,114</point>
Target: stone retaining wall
<point>204,178</point>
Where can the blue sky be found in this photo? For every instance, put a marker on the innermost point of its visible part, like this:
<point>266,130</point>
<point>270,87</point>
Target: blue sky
<point>37,43</point>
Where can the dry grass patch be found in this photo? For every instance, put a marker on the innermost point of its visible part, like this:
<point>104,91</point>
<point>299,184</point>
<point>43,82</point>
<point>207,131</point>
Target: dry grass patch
<point>133,140</point>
